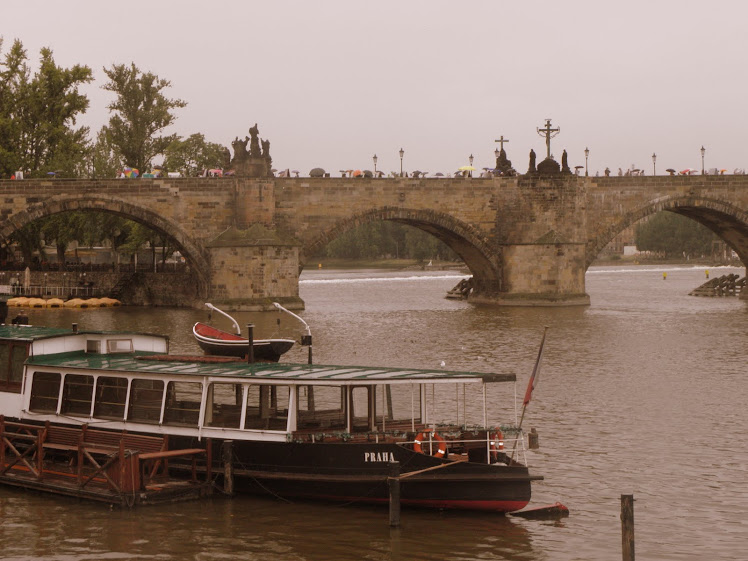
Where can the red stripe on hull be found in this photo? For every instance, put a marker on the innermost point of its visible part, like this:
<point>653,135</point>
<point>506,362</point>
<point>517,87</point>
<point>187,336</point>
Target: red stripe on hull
<point>490,506</point>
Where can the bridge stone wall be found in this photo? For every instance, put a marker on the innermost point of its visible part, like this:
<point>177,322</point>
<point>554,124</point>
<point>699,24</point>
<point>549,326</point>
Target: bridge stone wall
<point>527,240</point>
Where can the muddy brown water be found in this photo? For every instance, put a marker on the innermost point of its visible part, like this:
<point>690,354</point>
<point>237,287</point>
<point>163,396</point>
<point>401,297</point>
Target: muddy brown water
<point>644,392</point>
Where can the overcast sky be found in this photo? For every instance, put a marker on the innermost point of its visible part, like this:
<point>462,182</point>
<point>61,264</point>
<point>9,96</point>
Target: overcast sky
<point>331,83</point>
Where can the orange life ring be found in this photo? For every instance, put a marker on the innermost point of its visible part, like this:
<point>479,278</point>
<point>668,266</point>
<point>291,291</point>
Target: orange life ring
<point>496,444</point>
<point>422,436</point>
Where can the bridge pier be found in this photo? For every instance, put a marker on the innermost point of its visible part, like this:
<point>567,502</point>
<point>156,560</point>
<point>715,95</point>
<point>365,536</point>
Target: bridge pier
<point>251,269</point>
<point>539,274</point>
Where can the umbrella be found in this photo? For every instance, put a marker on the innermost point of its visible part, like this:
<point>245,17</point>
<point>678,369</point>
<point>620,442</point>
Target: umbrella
<point>317,172</point>
<point>671,171</point>
<point>357,173</point>
<point>438,174</point>
<point>466,168</point>
<point>131,172</point>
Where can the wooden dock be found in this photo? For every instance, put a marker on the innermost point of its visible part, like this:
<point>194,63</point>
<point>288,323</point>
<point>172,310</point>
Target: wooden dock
<point>726,285</point>
<point>118,468</point>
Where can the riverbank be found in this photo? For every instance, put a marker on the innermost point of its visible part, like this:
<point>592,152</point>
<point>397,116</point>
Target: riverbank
<point>413,264</point>
<point>389,264</point>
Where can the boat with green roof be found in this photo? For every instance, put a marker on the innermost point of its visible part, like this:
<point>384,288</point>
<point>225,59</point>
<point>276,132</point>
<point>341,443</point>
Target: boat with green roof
<point>297,430</point>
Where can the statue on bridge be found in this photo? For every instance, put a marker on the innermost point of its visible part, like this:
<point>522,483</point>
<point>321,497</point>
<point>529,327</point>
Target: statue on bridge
<point>254,143</point>
<point>531,169</point>
<point>240,150</point>
<point>252,162</point>
<point>504,165</point>
<point>565,163</point>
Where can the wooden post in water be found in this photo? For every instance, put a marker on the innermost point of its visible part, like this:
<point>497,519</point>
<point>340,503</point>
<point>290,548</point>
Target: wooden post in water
<point>228,467</point>
<point>251,337</point>
<point>627,527</point>
<point>393,481</point>
<point>532,439</point>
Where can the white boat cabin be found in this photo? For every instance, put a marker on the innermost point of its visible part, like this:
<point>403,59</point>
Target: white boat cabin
<point>127,381</point>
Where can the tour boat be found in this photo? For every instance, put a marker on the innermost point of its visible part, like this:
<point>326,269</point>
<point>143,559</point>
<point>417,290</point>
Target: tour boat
<point>214,341</point>
<point>297,431</point>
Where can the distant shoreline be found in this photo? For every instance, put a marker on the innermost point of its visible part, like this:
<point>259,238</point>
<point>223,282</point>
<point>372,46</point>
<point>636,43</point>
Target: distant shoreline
<point>414,265</point>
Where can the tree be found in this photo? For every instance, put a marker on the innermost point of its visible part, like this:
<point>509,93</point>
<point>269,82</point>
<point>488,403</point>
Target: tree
<point>29,240</point>
<point>105,160</point>
<point>381,240</point>
<point>38,114</point>
<point>194,154</point>
<point>674,235</point>
<point>140,112</point>
<point>14,75</point>
<point>62,229</point>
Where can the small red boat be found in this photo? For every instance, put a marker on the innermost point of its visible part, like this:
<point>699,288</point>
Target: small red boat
<point>214,341</point>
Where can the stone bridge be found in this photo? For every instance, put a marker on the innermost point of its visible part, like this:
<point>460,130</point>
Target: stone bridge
<point>527,240</point>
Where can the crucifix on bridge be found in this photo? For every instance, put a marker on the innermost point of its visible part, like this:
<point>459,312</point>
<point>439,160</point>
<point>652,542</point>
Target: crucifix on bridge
<point>501,142</point>
<point>548,133</point>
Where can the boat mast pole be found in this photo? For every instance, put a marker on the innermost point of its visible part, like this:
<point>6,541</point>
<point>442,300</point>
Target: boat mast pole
<point>308,330</point>
<point>528,393</point>
<point>236,325</point>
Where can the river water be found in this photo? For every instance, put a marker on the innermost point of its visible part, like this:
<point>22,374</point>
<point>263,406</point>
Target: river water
<point>644,392</point>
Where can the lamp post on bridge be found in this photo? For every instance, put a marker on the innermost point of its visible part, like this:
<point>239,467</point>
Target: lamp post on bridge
<point>375,165</point>
<point>402,153</point>
<point>586,156</point>
<point>470,159</point>
<point>654,163</point>
<point>703,151</point>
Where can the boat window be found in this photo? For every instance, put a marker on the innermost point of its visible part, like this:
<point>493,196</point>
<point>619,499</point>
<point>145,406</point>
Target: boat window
<point>398,406</point>
<point>224,407</point>
<point>119,345</point>
<point>321,407</point>
<point>12,357</point>
<point>363,408</point>
<point>111,394</point>
<point>267,407</point>
<point>77,391</point>
<point>183,403</point>
<point>93,346</point>
<point>45,391</point>
<point>145,401</point>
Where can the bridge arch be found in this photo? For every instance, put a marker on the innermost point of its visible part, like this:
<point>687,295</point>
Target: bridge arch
<point>192,252</point>
<point>465,240</point>
<point>729,222</point>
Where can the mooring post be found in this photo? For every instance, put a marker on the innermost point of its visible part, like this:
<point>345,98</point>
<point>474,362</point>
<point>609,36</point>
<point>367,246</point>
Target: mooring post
<point>627,527</point>
<point>251,337</point>
<point>228,467</point>
<point>532,439</point>
<point>393,481</point>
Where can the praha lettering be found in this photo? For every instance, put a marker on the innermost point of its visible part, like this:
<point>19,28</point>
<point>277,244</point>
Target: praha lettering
<point>379,457</point>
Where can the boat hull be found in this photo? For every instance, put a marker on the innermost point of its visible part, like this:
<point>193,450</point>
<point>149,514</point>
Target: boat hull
<point>357,473</point>
<point>213,341</point>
